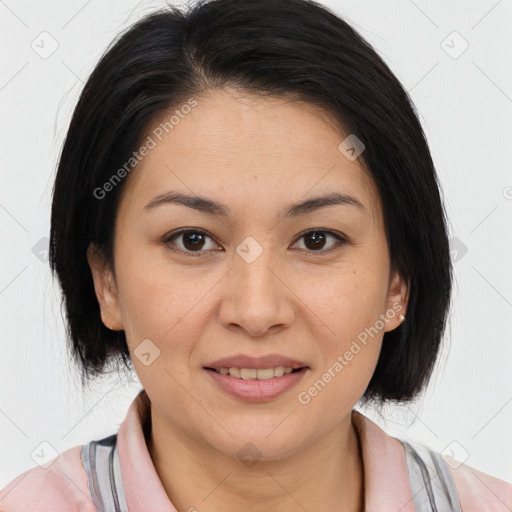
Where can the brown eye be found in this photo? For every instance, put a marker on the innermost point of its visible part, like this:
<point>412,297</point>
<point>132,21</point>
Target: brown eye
<point>317,239</point>
<point>189,241</point>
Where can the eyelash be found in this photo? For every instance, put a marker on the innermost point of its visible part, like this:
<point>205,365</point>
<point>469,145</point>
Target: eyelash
<point>169,238</point>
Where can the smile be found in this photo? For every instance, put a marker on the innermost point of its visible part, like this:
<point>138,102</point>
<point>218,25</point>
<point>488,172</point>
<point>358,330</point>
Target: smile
<point>255,385</point>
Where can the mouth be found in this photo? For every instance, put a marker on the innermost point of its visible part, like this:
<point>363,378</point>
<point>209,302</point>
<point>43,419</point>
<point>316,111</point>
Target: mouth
<point>255,384</point>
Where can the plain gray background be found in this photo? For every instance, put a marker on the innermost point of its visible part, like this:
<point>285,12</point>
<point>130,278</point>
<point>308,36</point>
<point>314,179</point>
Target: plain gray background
<point>453,58</point>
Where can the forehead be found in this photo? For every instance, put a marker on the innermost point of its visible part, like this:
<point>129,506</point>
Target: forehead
<point>247,150</point>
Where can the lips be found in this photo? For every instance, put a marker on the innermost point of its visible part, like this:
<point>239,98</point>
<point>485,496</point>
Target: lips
<point>249,389</point>
<point>245,361</point>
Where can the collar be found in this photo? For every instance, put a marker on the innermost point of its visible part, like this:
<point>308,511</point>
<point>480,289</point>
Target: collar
<point>387,487</point>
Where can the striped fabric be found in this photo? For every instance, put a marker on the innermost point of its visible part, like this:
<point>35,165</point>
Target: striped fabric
<point>432,485</point>
<point>107,474</point>
<point>101,463</point>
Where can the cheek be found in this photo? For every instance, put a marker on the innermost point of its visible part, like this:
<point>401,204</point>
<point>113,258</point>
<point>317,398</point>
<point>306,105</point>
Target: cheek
<point>155,290</point>
<point>347,363</point>
<point>347,299</point>
<point>350,305</point>
<point>158,302</point>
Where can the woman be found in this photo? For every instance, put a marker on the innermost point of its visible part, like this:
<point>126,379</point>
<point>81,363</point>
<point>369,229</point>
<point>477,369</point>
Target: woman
<point>247,213</point>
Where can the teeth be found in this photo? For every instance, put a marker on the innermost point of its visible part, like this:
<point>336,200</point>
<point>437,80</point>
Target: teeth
<point>253,373</point>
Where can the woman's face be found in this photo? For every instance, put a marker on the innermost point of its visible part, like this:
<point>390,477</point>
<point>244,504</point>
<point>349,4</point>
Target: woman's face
<point>246,278</point>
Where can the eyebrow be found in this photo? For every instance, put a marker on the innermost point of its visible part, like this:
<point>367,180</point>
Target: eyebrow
<point>211,207</point>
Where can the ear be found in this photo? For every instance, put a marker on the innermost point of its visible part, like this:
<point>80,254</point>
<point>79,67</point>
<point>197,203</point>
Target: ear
<point>398,296</point>
<point>105,288</point>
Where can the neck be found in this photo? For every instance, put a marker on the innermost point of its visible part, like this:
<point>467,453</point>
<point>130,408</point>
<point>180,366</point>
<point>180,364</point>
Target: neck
<point>325,475</point>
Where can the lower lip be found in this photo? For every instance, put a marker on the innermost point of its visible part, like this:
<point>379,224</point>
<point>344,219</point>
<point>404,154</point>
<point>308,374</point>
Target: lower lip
<point>254,390</point>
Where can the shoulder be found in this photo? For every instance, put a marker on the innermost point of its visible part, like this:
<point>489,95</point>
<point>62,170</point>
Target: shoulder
<point>60,485</point>
<point>452,484</point>
<point>479,491</point>
<point>413,471</point>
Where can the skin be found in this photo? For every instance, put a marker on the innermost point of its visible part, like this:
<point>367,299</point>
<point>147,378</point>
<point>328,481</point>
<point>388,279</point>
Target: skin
<point>256,156</point>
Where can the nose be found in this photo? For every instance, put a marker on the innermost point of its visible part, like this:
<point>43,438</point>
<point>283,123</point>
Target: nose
<point>256,298</point>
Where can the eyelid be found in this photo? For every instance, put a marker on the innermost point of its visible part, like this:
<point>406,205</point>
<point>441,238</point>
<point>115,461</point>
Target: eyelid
<point>341,239</point>
<point>175,234</point>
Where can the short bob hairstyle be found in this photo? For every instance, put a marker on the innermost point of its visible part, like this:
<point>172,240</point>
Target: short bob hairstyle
<point>293,49</point>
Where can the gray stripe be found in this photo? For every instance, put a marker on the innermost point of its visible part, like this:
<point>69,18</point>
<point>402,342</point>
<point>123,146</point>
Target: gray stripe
<point>87,453</point>
<point>117,484</point>
<point>102,465</point>
<point>432,485</point>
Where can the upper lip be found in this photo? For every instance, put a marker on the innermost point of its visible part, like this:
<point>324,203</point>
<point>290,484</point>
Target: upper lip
<point>245,361</point>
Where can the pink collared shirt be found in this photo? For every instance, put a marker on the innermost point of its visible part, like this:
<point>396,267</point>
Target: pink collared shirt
<point>65,485</point>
